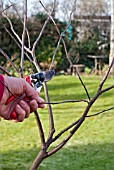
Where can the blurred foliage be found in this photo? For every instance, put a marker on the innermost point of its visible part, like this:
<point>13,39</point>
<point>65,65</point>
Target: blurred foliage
<point>77,50</point>
<point>45,47</point>
<point>91,45</point>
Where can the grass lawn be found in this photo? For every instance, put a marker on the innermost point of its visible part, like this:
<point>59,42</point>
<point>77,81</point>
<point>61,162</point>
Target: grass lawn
<point>91,148</point>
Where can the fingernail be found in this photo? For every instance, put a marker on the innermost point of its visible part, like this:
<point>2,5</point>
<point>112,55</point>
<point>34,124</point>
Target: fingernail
<point>41,100</point>
<point>18,107</point>
<point>22,102</point>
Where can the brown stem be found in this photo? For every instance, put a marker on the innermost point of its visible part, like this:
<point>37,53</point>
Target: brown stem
<point>60,38</point>
<point>5,71</point>
<point>59,146</point>
<point>40,129</point>
<point>41,155</point>
<point>23,37</point>
<point>15,34</point>
<point>66,101</point>
<point>13,38</point>
<point>27,32</point>
<point>42,30</point>
<point>6,56</point>
<point>100,112</point>
<point>51,120</point>
<point>83,84</point>
<point>107,89</point>
<point>106,75</point>
<point>79,123</point>
<point>5,9</point>
<point>64,130</point>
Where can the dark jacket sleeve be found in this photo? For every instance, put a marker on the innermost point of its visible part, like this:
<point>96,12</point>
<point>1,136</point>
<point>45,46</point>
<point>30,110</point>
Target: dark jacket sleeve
<point>1,86</point>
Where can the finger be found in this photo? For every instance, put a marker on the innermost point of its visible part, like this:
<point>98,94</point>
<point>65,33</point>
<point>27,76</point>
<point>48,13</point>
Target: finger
<point>33,105</point>
<point>30,92</point>
<point>40,100</point>
<point>20,113</point>
<point>41,105</point>
<point>25,107</point>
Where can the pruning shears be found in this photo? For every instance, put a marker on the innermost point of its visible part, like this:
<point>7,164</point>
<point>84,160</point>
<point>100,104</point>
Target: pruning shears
<point>36,81</point>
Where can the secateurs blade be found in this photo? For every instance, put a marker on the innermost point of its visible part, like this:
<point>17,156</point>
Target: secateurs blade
<point>36,80</point>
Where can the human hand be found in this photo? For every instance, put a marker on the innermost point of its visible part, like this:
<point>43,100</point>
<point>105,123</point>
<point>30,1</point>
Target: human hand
<point>19,86</point>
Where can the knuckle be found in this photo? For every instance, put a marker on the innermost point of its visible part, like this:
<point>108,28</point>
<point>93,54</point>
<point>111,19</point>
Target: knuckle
<point>21,113</point>
<point>27,115</point>
<point>21,117</point>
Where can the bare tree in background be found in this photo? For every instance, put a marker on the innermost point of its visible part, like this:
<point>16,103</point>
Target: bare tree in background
<point>94,7</point>
<point>112,32</point>
<point>29,52</point>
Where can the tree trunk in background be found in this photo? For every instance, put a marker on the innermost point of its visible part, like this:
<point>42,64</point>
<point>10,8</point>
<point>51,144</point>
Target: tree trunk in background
<point>112,34</point>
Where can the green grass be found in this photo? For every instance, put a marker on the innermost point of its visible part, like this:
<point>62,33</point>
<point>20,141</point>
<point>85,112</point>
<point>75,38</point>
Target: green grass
<point>91,148</point>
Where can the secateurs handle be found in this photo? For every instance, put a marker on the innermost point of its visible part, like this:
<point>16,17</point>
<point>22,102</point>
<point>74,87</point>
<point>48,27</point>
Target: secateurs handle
<point>13,115</point>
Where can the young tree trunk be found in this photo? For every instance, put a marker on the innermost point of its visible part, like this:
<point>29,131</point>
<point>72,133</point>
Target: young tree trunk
<point>112,34</point>
<point>38,160</point>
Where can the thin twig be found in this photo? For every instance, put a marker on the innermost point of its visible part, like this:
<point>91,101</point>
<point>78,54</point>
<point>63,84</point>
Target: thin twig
<point>10,35</point>
<point>87,93</point>
<point>5,9</point>
<point>29,46</point>
<point>60,34</point>
<point>40,129</point>
<point>6,56</point>
<point>107,89</point>
<point>5,71</point>
<point>13,38</point>
<point>78,124</point>
<point>23,37</point>
<point>69,127</point>
<point>39,37</point>
<point>57,148</point>
<point>100,112</point>
<point>106,75</point>
<point>44,26</point>
<point>66,101</point>
<point>16,97</point>
<point>37,40</point>
<point>16,35</point>
<point>60,37</point>
<point>64,130</point>
<point>49,103</point>
<point>51,119</point>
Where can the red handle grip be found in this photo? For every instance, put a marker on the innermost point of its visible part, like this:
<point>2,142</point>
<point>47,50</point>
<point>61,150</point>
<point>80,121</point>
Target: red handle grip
<point>13,114</point>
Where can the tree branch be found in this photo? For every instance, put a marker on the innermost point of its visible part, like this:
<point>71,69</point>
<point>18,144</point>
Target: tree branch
<point>6,56</point>
<point>23,37</point>
<point>16,35</point>
<point>106,75</point>
<point>100,112</point>
<point>40,130</point>
<point>51,120</point>
<point>60,37</point>
<point>5,71</point>
<point>44,26</point>
<point>27,32</point>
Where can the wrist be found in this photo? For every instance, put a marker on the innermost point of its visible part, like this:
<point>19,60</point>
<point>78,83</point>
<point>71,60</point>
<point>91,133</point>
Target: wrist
<point>1,86</point>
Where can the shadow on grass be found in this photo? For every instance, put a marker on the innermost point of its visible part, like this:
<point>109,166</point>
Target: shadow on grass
<point>80,157</point>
